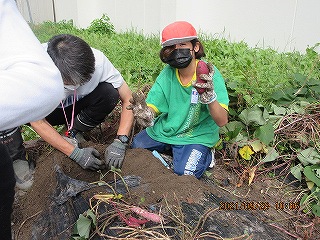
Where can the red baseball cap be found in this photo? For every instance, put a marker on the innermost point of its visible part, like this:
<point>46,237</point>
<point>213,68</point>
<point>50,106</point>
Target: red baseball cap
<point>177,32</point>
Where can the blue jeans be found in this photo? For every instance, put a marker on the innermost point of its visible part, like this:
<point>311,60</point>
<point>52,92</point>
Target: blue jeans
<point>191,159</point>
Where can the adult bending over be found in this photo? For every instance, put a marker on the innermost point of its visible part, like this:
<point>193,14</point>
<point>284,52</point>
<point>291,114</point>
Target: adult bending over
<point>93,87</point>
<point>31,87</point>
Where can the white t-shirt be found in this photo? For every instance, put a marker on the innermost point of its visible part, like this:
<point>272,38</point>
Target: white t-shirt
<point>31,86</point>
<point>104,72</point>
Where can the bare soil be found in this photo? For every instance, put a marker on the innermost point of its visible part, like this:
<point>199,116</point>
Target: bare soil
<point>248,212</point>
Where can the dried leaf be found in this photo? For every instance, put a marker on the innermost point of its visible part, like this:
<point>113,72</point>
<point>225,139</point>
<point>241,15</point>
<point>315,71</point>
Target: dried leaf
<point>252,172</point>
<point>242,178</point>
<point>257,146</point>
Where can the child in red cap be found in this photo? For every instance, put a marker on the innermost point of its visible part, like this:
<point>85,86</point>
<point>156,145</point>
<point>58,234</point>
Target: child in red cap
<point>179,119</point>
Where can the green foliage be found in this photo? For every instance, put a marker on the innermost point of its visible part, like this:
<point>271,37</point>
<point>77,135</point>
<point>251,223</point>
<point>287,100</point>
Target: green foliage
<point>310,167</point>
<point>300,89</point>
<point>265,133</point>
<point>309,156</point>
<point>134,55</point>
<point>83,226</point>
<point>251,123</point>
<point>311,202</point>
<point>28,133</point>
<point>101,26</point>
<point>47,30</point>
<point>253,74</point>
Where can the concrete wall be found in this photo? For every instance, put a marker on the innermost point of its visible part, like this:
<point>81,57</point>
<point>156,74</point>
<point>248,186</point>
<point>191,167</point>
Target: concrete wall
<point>284,25</point>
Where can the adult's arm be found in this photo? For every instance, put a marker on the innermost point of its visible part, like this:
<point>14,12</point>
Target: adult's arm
<point>51,136</point>
<point>30,84</point>
<point>126,117</point>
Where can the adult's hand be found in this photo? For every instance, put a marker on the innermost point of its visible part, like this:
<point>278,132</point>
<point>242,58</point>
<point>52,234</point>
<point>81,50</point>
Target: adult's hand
<point>115,153</point>
<point>87,158</point>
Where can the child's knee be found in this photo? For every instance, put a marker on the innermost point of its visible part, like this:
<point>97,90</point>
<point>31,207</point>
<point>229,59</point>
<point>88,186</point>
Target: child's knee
<point>139,141</point>
<point>183,171</point>
<point>136,143</point>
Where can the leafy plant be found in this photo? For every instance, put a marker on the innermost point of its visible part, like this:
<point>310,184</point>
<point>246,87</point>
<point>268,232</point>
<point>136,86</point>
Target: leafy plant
<point>310,167</point>
<point>253,127</point>
<point>102,25</point>
<point>301,89</point>
<point>249,139</point>
<point>83,226</point>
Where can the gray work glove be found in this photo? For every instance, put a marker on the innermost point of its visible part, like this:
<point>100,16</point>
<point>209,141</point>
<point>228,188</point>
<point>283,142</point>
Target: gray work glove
<point>114,154</point>
<point>209,95</point>
<point>87,158</point>
<point>141,112</point>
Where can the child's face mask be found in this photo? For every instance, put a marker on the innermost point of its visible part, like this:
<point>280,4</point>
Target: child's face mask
<point>179,58</point>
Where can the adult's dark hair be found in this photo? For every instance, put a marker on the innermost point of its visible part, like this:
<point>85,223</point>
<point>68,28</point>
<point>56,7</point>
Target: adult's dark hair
<point>166,51</point>
<point>73,57</point>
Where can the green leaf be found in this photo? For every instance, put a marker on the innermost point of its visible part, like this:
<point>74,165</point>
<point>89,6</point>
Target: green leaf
<point>232,126</point>
<point>278,110</point>
<point>232,85</point>
<point>316,210</point>
<point>232,112</point>
<point>83,226</point>
<point>93,217</point>
<point>315,89</point>
<point>241,140</point>
<point>265,133</point>
<point>296,171</point>
<point>232,129</point>
<point>313,82</point>
<point>296,108</point>
<point>271,155</point>
<point>303,199</point>
<point>254,116</point>
<point>207,173</point>
<point>282,95</point>
<point>299,78</point>
<point>310,174</point>
<point>309,156</point>
<point>315,167</point>
<point>316,192</point>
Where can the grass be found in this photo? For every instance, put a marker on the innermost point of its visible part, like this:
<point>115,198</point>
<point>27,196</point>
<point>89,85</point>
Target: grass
<point>253,73</point>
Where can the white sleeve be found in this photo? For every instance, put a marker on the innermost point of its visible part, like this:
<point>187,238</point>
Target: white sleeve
<point>30,84</point>
<point>105,71</point>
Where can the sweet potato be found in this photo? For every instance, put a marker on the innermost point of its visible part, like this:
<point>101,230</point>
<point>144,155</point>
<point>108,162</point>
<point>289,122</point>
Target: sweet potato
<point>201,69</point>
<point>147,215</point>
